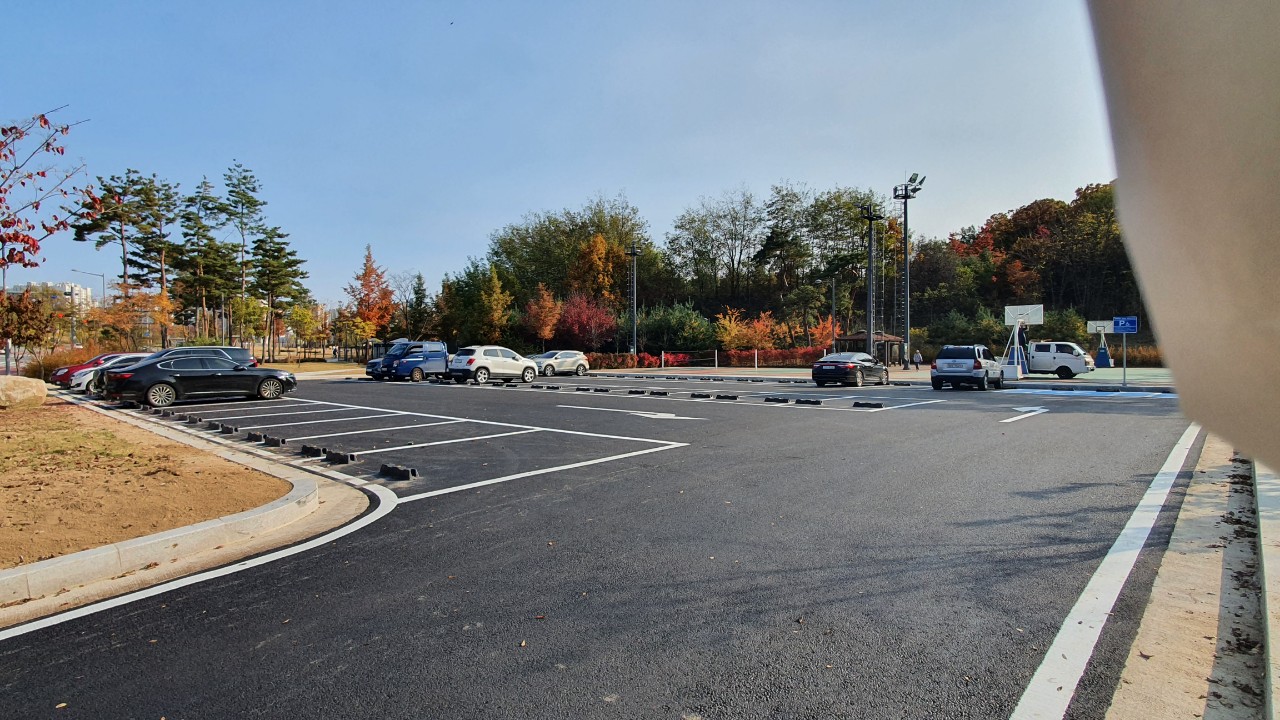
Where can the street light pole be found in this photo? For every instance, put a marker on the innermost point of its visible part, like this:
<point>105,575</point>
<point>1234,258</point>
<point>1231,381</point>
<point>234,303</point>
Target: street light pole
<point>872,217</point>
<point>905,192</point>
<point>104,283</point>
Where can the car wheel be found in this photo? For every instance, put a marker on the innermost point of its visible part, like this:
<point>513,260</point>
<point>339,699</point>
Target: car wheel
<point>548,370</point>
<point>999,382</point>
<point>459,379</point>
<point>270,389</point>
<point>982,383</point>
<point>161,395</point>
<point>937,384</point>
<point>528,375</point>
<point>885,379</point>
<point>482,376</point>
<point>580,370</point>
<point>1065,373</point>
<point>416,375</point>
<point>820,383</point>
<point>857,378</point>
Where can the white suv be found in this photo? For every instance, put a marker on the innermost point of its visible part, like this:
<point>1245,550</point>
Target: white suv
<point>481,362</point>
<point>966,365</point>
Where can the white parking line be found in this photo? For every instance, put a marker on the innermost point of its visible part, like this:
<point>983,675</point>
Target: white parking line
<point>531,473</point>
<point>273,414</point>
<point>389,413</point>
<point>447,442</point>
<point>237,407</point>
<point>375,430</point>
<point>1049,693</point>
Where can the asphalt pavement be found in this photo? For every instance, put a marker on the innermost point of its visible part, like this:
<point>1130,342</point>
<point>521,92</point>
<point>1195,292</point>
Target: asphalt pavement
<point>644,547</point>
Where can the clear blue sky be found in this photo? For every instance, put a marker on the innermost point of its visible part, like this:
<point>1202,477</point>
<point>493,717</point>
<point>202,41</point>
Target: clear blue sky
<point>421,127</point>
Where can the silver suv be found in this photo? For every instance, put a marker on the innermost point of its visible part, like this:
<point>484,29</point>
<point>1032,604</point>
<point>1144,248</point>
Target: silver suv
<point>562,361</point>
<point>482,362</point>
<point>966,365</point>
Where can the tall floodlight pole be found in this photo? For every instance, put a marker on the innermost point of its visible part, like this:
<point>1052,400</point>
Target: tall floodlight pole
<point>104,282</point>
<point>905,192</point>
<point>634,252</point>
<point>872,217</point>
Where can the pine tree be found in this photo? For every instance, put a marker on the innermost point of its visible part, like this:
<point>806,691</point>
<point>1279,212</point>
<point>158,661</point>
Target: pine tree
<point>277,275</point>
<point>207,269</point>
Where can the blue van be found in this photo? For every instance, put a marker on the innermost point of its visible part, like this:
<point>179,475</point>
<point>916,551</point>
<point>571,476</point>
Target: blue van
<point>416,361</point>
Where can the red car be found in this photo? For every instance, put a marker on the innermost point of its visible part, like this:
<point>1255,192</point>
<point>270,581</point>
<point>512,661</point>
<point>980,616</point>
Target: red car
<point>62,376</point>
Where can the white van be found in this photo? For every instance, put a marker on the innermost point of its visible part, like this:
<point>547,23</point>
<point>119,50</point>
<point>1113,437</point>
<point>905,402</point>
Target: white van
<point>1064,359</point>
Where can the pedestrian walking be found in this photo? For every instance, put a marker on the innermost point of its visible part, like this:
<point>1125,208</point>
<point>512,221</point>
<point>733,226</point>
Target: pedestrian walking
<point>917,359</point>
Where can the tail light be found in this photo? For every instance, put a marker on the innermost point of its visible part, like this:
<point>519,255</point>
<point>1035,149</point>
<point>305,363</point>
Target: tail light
<point>121,376</point>
<point>933,365</point>
<point>850,366</point>
<point>977,364</point>
<point>253,361</point>
<point>470,360</point>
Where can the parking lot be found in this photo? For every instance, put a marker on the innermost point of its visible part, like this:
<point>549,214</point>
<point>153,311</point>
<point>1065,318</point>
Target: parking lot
<point>651,547</point>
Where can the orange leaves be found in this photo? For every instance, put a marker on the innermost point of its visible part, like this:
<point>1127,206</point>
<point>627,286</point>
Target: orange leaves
<point>735,332</point>
<point>542,313</point>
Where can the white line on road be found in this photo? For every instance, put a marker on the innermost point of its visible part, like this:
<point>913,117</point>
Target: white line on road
<point>275,414</point>
<point>1029,412</point>
<point>386,503</point>
<point>637,413</point>
<point>1049,694</point>
<point>389,413</point>
<point>447,442</point>
<point>374,430</point>
<point>531,473</point>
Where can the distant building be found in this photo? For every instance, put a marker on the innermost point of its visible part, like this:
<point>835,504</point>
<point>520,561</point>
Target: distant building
<point>80,296</point>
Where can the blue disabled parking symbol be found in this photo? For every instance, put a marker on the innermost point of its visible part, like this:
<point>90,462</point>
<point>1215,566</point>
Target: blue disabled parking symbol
<point>1125,325</point>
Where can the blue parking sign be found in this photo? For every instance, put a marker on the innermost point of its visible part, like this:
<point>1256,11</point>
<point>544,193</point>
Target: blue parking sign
<point>1126,325</point>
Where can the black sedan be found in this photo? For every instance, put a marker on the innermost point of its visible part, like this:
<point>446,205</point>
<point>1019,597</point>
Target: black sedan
<point>850,368</point>
<point>164,380</point>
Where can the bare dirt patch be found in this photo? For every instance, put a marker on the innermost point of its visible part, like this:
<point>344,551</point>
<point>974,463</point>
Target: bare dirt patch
<point>72,479</point>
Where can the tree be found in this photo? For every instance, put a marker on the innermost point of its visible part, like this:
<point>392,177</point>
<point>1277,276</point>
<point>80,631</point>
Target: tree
<point>593,273</point>
<point>207,269</point>
<point>277,276</point>
<point>307,323</point>
<point>586,323</point>
<point>24,225</point>
<point>119,217</point>
<point>153,251</point>
<point>371,296</point>
<point>495,308</point>
<point>24,319</point>
<point>541,315</point>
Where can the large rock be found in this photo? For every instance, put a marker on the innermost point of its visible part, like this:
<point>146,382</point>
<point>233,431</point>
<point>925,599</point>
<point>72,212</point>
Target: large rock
<point>16,392</point>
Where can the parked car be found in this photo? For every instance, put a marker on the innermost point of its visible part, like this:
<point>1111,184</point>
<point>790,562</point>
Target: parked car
<point>90,379</point>
<point>162,381</point>
<point>429,358</point>
<point>62,375</point>
<point>384,367</point>
<point>965,365</point>
<point>1064,359</point>
<point>849,368</point>
<point>561,361</point>
<point>238,355</point>
<point>481,362</point>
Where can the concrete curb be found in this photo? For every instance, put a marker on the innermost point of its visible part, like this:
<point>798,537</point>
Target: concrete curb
<point>48,577</point>
<point>1266,490</point>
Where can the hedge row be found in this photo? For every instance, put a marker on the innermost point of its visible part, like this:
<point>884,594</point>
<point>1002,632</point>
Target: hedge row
<point>796,357</point>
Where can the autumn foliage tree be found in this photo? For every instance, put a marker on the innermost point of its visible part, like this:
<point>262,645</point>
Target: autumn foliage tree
<point>27,182</point>
<point>371,295</point>
<point>586,323</point>
<point>541,315</point>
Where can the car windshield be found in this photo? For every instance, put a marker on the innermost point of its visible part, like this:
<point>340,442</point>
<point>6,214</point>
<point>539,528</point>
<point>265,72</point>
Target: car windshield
<point>400,350</point>
<point>543,356</point>
<point>960,352</point>
<point>465,352</point>
<point>838,357</point>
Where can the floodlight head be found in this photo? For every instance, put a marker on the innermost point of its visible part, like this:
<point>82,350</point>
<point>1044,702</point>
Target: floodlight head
<point>920,181</point>
<point>912,179</point>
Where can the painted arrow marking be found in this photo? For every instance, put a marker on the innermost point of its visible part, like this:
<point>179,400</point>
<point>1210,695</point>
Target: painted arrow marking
<point>638,413</point>
<point>1026,413</point>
